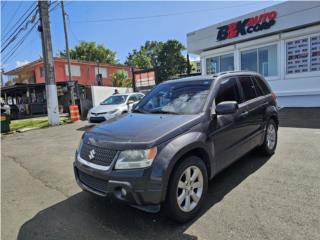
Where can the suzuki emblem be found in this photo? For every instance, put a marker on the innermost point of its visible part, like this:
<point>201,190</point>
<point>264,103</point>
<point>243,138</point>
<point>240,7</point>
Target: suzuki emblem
<point>91,154</point>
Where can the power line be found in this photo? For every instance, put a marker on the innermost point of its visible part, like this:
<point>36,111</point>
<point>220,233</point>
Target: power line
<point>16,28</point>
<point>12,52</point>
<point>160,15</point>
<point>13,16</point>
<point>23,26</point>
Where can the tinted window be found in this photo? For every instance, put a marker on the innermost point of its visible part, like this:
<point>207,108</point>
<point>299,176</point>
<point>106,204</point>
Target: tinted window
<point>247,87</point>
<point>228,91</point>
<point>262,85</point>
<point>257,87</point>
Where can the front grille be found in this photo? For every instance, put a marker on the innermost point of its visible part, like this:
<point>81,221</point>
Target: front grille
<point>93,182</point>
<point>99,155</point>
<point>97,119</point>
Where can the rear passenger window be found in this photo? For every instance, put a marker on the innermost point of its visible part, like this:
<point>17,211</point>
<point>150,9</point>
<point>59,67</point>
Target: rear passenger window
<point>228,91</point>
<point>247,87</point>
<point>259,90</point>
<point>264,88</point>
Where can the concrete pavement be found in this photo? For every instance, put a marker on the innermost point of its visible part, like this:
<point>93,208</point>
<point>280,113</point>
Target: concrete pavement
<point>256,198</point>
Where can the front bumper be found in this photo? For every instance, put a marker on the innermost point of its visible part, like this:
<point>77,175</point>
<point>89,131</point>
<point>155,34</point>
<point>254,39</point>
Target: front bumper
<point>131,186</point>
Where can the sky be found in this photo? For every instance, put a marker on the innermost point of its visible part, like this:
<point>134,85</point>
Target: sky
<point>120,26</point>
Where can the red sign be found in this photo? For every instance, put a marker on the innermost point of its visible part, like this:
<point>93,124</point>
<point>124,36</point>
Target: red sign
<point>254,24</point>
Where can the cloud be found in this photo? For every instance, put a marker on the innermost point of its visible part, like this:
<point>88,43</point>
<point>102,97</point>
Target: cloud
<point>194,58</point>
<point>21,63</point>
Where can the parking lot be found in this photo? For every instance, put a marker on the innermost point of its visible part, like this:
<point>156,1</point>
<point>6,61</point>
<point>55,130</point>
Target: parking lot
<point>255,198</point>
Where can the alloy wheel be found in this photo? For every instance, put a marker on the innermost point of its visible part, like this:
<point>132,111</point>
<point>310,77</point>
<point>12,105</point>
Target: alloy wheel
<point>271,136</point>
<point>190,188</point>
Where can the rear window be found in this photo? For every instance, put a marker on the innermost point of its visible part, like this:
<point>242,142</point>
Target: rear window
<point>247,87</point>
<point>261,85</point>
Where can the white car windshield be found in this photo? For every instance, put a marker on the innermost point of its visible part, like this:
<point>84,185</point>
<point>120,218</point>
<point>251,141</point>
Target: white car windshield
<point>114,100</point>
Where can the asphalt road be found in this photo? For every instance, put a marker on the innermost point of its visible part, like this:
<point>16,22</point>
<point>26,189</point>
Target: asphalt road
<point>256,198</point>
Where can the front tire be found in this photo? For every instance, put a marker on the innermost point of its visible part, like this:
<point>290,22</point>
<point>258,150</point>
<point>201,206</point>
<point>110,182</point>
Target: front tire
<point>187,189</point>
<point>270,139</point>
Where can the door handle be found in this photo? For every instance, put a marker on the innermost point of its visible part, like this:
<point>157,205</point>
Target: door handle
<point>244,114</point>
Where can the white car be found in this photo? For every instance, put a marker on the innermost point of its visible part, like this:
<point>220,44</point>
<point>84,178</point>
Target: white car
<point>113,106</point>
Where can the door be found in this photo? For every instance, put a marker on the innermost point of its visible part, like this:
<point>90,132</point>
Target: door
<point>227,131</point>
<point>254,100</point>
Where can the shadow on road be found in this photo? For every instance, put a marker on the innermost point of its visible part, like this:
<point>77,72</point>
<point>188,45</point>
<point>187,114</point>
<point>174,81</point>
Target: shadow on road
<point>300,117</point>
<point>84,216</point>
<point>85,128</point>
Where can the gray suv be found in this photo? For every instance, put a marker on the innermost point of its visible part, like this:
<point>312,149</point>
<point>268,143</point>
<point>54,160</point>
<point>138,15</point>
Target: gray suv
<point>177,138</point>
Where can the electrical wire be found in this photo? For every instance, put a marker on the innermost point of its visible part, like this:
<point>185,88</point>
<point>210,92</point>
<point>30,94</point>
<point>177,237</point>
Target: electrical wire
<point>160,15</point>
<point>12,52</point>
<point>14,29</point>
<point>12,17</point>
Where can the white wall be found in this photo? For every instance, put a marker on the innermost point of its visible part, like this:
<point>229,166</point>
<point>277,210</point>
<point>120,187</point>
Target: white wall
<point>100,93</point>
<point>293,90</point>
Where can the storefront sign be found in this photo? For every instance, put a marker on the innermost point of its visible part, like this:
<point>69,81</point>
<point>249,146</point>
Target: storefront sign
<point>254,24</point>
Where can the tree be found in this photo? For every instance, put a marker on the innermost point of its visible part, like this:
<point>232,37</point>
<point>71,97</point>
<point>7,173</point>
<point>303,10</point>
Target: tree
<point>90,51</point>
<point>120,79</point>
<point>164,57</point>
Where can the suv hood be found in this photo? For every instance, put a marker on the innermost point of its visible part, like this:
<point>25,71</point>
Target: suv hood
<point>139,130</point>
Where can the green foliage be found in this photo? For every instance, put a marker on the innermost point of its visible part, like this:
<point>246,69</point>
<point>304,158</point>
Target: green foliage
<point>120,79</point>
<point>90,51</point>
<point>164,57</point>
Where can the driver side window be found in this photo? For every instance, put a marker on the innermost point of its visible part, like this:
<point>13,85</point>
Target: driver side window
<point>228,91</point>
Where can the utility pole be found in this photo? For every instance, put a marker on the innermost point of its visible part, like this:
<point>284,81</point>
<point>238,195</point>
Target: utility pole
<point>2,72</point>
<point>51,88</point>
<point>67,52</point>
<point>188,65</point>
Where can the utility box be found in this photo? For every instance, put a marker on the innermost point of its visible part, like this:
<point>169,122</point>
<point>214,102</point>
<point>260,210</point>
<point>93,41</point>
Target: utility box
<point>5,123</point>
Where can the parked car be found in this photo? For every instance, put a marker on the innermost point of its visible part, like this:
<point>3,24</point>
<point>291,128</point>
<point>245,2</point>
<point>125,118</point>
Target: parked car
<point>176,139</point>
<point>113,106</point>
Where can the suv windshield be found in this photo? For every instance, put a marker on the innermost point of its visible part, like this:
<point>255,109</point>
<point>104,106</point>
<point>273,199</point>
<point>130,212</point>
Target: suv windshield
<point>176,98</point>
<point>113,100</point>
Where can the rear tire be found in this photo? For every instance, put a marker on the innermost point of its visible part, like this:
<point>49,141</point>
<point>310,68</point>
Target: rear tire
<point>270,139</point>
<point>187,189</point>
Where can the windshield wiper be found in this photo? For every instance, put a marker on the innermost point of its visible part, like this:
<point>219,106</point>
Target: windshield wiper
<point>164,112</point>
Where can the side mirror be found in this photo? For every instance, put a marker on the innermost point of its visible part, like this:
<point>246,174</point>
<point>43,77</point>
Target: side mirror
<point>227,107</point>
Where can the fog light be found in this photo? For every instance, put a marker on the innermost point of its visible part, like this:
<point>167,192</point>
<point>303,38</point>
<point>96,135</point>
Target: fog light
<point>123,192</point>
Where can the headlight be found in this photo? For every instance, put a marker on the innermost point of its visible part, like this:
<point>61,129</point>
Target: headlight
<point>130,159</point>
<point>89,113</point>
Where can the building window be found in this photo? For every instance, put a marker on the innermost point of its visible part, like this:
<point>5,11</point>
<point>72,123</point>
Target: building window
<point>102,71</point>
<point>212,65</point>
<point>263,60</point>
<point>220,64</point>
<point>75,70</point>
<point>226,63</point>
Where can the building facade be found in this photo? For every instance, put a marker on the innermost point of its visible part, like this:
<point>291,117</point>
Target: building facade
<point>281,42</point>
<point>85,73</point>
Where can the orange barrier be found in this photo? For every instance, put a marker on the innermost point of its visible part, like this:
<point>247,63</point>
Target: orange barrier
<point>74,113</point>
